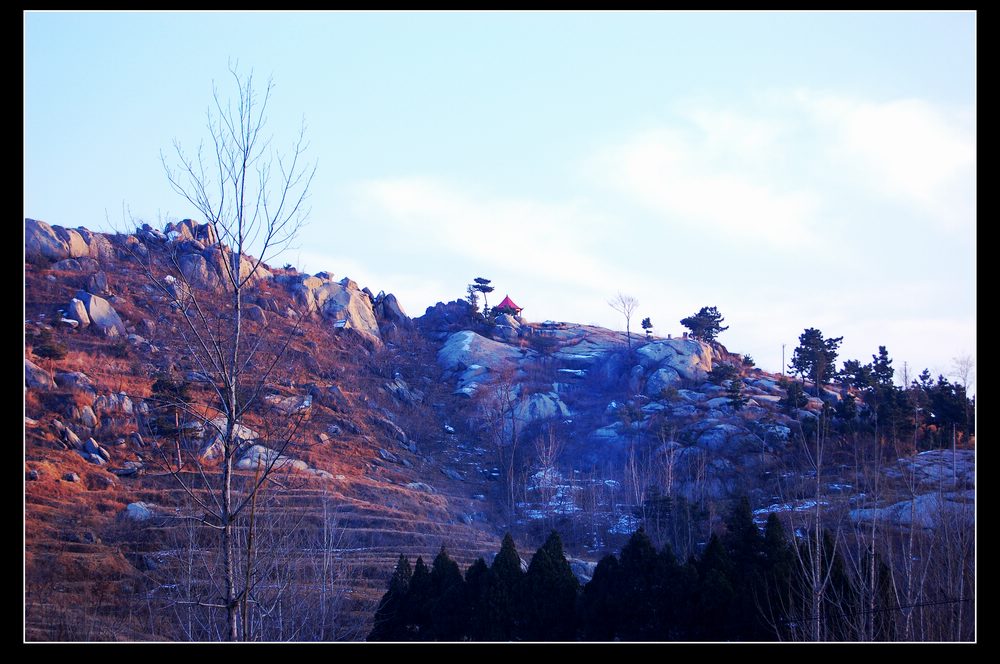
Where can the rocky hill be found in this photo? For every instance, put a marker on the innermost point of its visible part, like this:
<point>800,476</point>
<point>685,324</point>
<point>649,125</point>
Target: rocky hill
<point>409,433</point>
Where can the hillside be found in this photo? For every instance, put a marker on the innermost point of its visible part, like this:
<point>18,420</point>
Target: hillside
<point>398,435</point>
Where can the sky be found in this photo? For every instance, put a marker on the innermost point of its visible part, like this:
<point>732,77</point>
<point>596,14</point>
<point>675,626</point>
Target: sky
<point>795,170</point>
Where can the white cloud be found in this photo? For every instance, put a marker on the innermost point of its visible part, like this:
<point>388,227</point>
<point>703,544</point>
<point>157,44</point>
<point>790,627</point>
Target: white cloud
<point>783,168</point>
<point>558,242</point>
<point>911,149</point>
<point>715,178</point>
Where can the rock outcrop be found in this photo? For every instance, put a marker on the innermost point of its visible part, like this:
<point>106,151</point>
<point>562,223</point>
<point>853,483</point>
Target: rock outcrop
<point>466,348</point>
<point>36,377</point>
<point>102,315</point>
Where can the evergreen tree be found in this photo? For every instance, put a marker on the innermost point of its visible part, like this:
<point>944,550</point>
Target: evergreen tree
<point>855,374</point>
<point>417,605</point>
<point>477,580</point>
<point>745,548</point>
<point>779,568</point>
<point>706,324</point>
<point>389,618</point>
<point>735,394</point>
<point>600,610</point>
<point>647,325</point>
<point>715,594</point>
<point>815,357</point>
<point>550,594</point>
<point>639,619</point>
<point>483,286</point>
<point>449,613</point>
<point>795,397</point>
<point>672,592</point>
<point>882,370</point>
<point>502,594</point>
<point>847,409</point>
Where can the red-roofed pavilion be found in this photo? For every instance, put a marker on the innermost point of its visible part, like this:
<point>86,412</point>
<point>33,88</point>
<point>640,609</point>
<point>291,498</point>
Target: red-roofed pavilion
<point>508,306</point>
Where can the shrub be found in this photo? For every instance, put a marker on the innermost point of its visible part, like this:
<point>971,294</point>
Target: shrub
<point>48,346</point>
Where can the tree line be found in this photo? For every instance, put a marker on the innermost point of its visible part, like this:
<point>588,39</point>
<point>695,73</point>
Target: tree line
<point>747,584</point>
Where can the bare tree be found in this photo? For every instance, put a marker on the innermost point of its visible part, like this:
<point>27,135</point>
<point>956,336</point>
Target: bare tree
<point>253,198</point>
<point>626,306</point>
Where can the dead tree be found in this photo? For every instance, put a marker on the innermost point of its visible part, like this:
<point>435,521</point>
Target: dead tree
<point>626,306</point>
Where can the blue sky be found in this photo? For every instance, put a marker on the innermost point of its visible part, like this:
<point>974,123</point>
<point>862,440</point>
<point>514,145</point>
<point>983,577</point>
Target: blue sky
<point>793,169</point>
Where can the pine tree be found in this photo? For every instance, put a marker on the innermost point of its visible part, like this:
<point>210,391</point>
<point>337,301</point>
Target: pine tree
<point>795,397</point>
<point>637,589</point>
<point>735,394</point>
<point>706,324</point>
<point>815,357</point>
<point>778,565</point>
<point>502,594</point>
<point>389,618</point>
<point>483,286</point>
<point>715,593</point>
<point>549,594</point>
<point>477,583</point>
<point>745,547</point>
<point>417,606</point>
<point>448,611</point>
<point>600,610</point>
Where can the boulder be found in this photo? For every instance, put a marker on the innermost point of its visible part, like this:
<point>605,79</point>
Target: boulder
<point>660,380</point>
<point>219,258</point>
<point>452,474</point>
<point>255,314</point>
<point>690,358</point>
<point>71,477</point>
<point>466,348</point>
<point>67,265</point>
<point>31,475</point>
<point>36,377</point>
<point>389,310</point>
<point>403,392</point>
<point>198,272</point>
<point>101,249</point>
<point>102,315</point>
<point>90,446</point>
<point>928,510</point>
<point>42,244</point>
<point>88,264</point>
<point>721,438</point>
<point>95,459</point>
<point>291,404</point>
<point>261,456</point>
<point>138,512</point>
<point>537,407</point>
<point>86,417</point>
<point>74,380</point>
<point>78,312</point>
<point>75,243</point>
<point>505,333</point>
<point>204,233</point>
<point>348,308</point>
<point>508,321</point>
<point>70,438</point>
<point>97,283</point>
<point>442,317</point>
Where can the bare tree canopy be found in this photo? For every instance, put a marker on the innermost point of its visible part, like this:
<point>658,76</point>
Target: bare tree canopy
<point>626,306</point>
<point>254,197</point>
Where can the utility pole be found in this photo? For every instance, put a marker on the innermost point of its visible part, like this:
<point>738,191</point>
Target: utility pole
<point>782,359</point>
